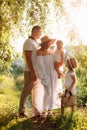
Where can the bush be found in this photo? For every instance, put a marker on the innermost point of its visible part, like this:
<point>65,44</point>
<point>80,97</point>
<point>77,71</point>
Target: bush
<point>19,82</point>
<point>17,66</point>
<point>81,87</point>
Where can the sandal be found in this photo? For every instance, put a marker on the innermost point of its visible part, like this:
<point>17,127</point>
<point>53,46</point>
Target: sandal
<point>50,113</point>
<point>43,114</point>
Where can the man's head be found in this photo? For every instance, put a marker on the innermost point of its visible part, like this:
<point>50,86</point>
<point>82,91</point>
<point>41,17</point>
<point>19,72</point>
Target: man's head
<point>36,32</point>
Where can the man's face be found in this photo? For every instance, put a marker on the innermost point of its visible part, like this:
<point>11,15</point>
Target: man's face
<point>37,33</point>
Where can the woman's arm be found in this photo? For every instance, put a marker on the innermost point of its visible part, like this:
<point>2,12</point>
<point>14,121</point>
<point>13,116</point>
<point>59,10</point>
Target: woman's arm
<point>39,52</point>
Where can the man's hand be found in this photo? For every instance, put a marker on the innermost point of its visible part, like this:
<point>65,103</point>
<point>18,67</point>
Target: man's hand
<point>34,76</point>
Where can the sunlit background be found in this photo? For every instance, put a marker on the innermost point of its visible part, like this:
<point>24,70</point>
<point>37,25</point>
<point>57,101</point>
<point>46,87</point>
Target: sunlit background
<point>74,21</point>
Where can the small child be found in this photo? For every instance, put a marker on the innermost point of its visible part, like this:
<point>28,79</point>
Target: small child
<point>70,90</point>
<point>59,58</point>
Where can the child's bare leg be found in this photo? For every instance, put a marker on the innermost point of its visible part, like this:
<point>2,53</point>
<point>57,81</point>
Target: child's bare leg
<point>62,110</point>
<point>72,109</point>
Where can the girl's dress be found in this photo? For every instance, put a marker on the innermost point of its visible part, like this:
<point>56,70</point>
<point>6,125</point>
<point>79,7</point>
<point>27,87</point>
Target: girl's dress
<point>70,98</point>
<point>68,81</point>
<point>45,95</point>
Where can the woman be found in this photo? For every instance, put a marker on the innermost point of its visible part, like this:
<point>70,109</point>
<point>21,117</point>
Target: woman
<point>44,95</point>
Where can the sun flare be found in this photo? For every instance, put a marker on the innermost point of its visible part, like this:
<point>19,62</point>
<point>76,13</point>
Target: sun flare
<point>75,18</point>
<point>79,18</point>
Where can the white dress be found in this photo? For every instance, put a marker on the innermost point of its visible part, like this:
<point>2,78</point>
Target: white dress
<point>45,95</point>
<point>68,81</point>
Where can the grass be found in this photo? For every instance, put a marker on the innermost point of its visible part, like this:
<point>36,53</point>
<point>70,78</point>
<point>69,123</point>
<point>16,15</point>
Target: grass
<point>9,100</point>
<point>67,122</point>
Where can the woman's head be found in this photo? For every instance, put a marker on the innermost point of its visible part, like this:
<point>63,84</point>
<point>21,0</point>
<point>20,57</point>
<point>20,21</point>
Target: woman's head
<point>46,42</point>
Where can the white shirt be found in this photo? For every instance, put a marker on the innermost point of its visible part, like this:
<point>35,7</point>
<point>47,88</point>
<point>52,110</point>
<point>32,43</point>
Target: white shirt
<point>29,45</point>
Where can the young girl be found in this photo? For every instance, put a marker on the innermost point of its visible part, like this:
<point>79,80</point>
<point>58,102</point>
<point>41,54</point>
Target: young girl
<point>70,89</point>
<point>59,58</point>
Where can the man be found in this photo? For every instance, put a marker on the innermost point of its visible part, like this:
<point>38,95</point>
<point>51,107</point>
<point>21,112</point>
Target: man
<point>30,77</point>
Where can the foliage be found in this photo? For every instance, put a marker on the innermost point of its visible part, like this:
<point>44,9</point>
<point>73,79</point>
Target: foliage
<point>82,92</point>
<point>16,20</point>
<point>18,16</point>
<point>17,66</point>
<point>9,16</point>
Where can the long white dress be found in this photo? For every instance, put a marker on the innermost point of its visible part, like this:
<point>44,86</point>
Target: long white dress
<point>45,95</point>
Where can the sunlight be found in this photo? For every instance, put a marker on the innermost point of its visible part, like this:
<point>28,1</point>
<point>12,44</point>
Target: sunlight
<point>79,18</point>
<point>76,20</point>
<point>17,43</point>
<point>59,26</point>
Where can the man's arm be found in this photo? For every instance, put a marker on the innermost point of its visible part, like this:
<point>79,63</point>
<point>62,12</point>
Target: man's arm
<point>29,62</point>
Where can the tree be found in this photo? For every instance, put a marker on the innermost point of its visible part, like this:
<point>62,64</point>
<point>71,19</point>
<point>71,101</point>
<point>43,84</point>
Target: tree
<point>9,17</point>
<point>18,16</point>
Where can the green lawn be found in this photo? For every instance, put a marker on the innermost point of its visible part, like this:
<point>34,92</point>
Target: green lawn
<point>9,100</point>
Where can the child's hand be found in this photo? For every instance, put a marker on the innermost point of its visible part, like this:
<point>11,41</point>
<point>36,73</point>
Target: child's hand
<point>66,93</point>
<point>60,94</point>
<point>58,64</point>
<point>68,90</point>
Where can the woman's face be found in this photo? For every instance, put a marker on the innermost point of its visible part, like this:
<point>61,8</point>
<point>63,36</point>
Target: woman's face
<point>47,44</point>
<point>52,41</point>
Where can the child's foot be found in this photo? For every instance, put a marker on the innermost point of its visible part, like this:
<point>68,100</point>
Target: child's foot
<point>50,113</point>
<point>43,114</point>
<point>60,95</point>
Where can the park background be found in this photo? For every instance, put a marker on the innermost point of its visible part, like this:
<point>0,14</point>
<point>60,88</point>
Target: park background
<point>60,19</point>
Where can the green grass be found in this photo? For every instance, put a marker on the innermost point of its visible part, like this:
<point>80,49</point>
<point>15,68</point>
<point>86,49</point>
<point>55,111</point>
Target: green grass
<point>8,92</point>
<point>9,100</point>
<point>76,122</point>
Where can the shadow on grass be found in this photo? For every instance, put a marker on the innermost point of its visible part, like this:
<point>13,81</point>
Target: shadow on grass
<point>55,122</point>
<point>31,124</point>
<point>47,123</point>
<point>65,122</point>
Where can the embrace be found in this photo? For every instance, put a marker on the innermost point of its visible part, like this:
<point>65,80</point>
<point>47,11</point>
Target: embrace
<point>43,74</point>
